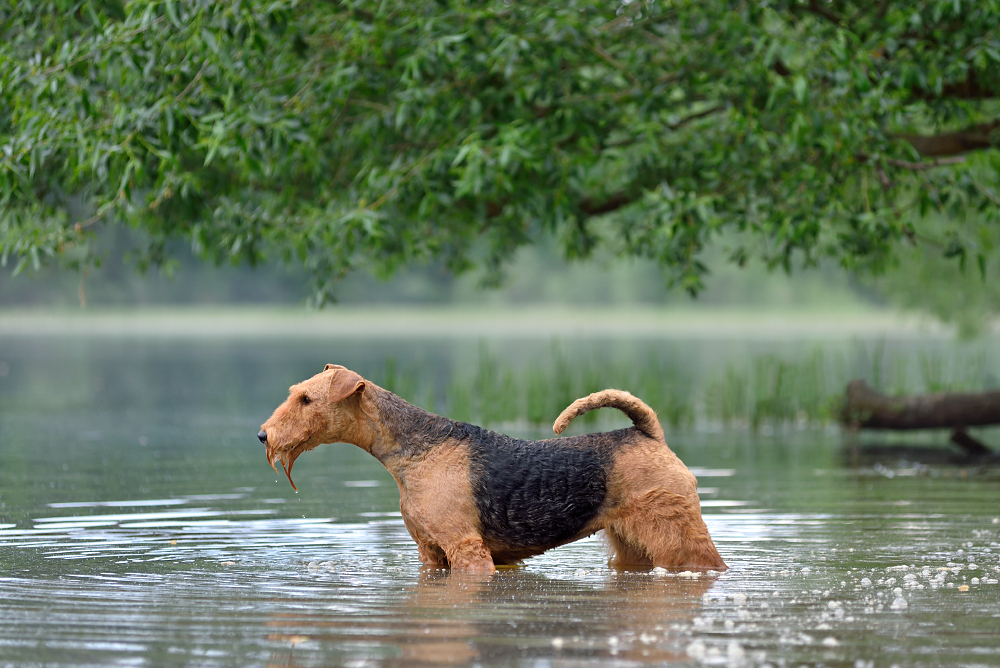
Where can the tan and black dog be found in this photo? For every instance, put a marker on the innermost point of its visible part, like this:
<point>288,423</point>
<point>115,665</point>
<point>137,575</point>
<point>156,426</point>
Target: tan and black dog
<point>472,498</point>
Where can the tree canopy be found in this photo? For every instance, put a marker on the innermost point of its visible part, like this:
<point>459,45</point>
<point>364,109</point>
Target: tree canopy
<point>341,135</point>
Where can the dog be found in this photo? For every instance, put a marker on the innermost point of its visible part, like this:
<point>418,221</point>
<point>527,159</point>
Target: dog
<point>473,499</point>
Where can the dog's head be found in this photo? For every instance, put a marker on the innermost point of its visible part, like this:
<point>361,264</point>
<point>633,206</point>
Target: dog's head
<point>323,409</point>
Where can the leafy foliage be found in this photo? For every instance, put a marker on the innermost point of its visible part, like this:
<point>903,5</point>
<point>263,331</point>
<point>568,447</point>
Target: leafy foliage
<point>347,134</point>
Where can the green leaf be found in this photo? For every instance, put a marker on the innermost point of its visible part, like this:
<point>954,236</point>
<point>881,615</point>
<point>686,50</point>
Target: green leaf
<point>171,8</point>
<point>210,40</point>
<point>801,88</point>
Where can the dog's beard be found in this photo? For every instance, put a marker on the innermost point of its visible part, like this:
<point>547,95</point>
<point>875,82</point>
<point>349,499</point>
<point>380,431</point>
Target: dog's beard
<point>287,457</point>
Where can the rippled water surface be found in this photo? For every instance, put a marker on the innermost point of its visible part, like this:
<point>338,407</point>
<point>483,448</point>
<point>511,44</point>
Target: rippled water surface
<point>140,525</point>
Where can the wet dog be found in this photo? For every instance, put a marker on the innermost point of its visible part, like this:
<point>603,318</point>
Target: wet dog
<point>473,499</point>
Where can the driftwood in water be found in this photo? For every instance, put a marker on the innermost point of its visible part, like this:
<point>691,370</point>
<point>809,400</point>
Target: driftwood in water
<point>868,409</point>
<point>865,408</point>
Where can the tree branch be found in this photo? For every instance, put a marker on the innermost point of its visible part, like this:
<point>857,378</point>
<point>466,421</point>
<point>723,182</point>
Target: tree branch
<point>969,88</point>
<point>599,50</point>
<point>594,207</point>
<point>195,80</point>
<point>814,7</point>
<point>693,117</point>
<point>598,207</point>
<point>920,166</point>
<point>972,138</point>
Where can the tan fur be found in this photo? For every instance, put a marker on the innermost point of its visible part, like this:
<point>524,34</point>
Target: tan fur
<point>435,498</point>
<point>656,515</point>
<point>651,513</point>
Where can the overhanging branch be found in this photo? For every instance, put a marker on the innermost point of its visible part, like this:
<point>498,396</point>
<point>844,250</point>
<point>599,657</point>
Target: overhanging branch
<point>973,138</point>
<point>919,166</point>
<point>598,207</point>
<point>814,7</point>
<point>969,88</point>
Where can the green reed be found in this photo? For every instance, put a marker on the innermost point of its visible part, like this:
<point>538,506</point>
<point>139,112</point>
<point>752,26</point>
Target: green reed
<point>802,388</point>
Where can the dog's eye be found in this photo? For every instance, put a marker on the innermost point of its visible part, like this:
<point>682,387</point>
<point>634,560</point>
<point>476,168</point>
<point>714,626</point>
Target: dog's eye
<point>305,400</point>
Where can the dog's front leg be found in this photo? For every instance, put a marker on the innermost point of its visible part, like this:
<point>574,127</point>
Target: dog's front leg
<point>470,554</point>
<point>430,553</point>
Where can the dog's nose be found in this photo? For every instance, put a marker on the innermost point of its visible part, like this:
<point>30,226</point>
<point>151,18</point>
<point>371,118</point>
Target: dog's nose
<point>262,435</point>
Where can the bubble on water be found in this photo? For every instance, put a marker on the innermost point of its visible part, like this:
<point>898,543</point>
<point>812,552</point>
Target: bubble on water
<point>659,571</point>
<point>972,567</point>
<point>865,582</point>
<point>830,641</point>
<point>901,567</point>
<point>697,650</point>
<point>558,643</point>
<point>899,604</point>
<point>898,591</point>
<point>975,581</point>
<point>736,656</point>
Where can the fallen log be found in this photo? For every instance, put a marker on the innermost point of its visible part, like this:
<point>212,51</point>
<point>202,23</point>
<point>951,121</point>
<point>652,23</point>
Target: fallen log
<point>865,408</point>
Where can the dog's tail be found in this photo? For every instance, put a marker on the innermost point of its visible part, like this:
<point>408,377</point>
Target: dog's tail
<point>642,415</point>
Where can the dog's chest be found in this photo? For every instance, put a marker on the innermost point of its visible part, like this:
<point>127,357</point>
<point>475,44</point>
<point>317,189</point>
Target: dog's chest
<point>530,494</point>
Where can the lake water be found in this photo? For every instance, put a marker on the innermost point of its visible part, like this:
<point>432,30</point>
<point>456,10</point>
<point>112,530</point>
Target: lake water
<point>141,525</point>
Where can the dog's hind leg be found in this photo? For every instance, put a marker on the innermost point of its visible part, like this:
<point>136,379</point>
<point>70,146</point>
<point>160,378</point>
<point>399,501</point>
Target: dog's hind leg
<point>625,555</point>
<point>659,528</point>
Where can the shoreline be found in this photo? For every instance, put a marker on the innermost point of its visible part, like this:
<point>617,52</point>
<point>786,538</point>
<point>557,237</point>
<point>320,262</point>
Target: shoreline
<point>464,322</point>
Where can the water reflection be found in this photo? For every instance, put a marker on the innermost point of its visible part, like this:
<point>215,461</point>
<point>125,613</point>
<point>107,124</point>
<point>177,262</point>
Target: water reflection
<point>605,618</point>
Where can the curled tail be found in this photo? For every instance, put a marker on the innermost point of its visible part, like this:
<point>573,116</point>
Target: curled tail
<point>641,415</point>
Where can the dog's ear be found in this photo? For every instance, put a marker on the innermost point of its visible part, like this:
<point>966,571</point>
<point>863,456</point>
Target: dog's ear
<point>332,366</point>
<point>343,384</point>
